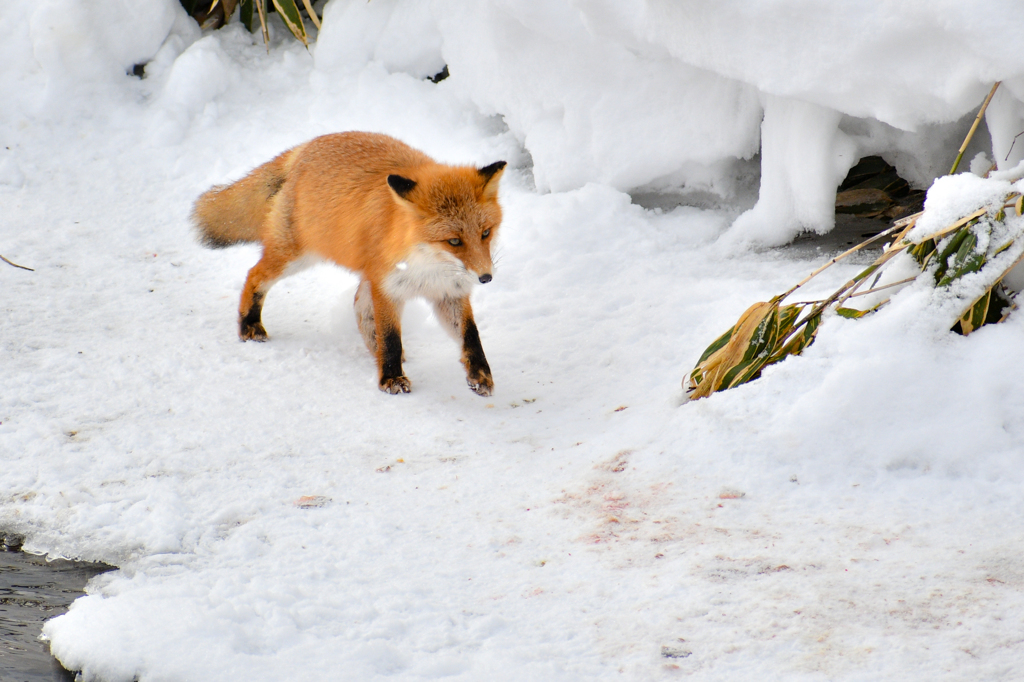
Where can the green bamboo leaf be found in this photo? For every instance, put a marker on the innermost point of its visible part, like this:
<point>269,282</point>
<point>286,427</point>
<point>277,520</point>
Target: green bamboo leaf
<point>788,315</point>
<point>718,343</point>
<point>965,260</point>
<point>746,373</point>
<point>810,331</point>
<point>867,273</point>
<point>762,343</point>
<point>1004,247</point>
<point>975,316</point>
<point>763,340</point>
<point>740,357</point>
<point>799,341</point>
<point>851,313</point>
<point>247,15</point>
<point>312,14</point>
<point>697,375</point>
<point>951,247</point>
<point>292,19</point>
<point>921,251</point>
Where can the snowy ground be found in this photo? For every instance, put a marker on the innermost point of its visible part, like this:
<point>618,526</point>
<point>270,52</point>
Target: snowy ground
<point>854,515</point>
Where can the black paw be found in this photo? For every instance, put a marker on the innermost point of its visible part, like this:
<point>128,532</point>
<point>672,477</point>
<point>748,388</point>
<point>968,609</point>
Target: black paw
<point>481,383</point>
<point>396,385</point>
<point>252,332</point>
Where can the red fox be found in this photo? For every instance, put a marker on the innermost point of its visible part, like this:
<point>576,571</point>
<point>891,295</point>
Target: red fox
<point>409,226</point>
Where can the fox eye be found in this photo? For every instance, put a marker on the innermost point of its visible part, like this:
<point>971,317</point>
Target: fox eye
<point>455,241</point>
<point>486,234</point>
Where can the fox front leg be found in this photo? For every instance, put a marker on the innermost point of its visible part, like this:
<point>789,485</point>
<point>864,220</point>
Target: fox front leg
<point>456,316</point>
<point>388,327</point>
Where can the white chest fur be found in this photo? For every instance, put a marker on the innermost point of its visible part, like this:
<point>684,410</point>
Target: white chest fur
<point>429,272</point>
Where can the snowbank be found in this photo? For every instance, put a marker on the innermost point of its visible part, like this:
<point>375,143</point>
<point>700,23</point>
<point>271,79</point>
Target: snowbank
<point>671,94</point>
<point>88,45</point>
<point>639,95</point>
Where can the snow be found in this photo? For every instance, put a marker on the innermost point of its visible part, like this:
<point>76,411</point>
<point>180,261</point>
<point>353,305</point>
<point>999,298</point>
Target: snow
<point>651,94</point>
<point>849,516</point>
<point>957,196</point>
<point>804,157</point>
<point>401,36</point>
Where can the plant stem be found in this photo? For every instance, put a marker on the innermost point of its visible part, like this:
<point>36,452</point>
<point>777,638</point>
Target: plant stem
<point>16,265</point>
<point>952,228</point>
<point>261,7</point>
<point>884,286</point>
<point>974,127</point>
<point>822,305</point>
<point>840,257</point>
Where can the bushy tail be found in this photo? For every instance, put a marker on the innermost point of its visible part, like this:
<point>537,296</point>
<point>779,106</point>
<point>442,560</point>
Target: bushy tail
<point>235,213</point>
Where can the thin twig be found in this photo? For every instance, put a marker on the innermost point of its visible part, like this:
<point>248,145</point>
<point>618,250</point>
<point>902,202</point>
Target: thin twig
<point>841,256</point>
<point>974,127</point>
<point>952,228</point>
<point>261,8</point>
<point>878,275</point>
<point>903,222</point>
<point>16,265</point>
<point>854,283</point>
<point>907,227</point>
<point>884,286</point>
<point>897,244</point>
<point>820,307</point>
<point>1007,158</point>
<point>853,290</point>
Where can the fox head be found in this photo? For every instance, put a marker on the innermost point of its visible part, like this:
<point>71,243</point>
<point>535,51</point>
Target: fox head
<point>458,213</point>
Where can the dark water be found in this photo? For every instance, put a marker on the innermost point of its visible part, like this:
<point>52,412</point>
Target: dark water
<point>32,591</point>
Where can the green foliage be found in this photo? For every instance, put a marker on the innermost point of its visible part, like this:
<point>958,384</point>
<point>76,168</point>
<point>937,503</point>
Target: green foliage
<point>253,13</point>
<point>769,332</point>
<point>765,334</point>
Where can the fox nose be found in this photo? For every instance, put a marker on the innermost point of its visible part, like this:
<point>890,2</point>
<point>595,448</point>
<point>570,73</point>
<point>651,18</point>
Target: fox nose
<point>485,278</point>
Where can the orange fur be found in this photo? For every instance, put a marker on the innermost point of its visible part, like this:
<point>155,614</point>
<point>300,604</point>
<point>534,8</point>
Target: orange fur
<point>379,208</point>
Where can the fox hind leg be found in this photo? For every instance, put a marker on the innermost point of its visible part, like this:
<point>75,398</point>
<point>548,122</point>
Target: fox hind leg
<point>364,316</point>
<point>270,268</point>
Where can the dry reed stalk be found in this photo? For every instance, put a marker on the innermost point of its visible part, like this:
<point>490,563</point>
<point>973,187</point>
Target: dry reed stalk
<point>952,228</point>
<point>262,10</point>
<point>844,254</point>
<point>970,133</point>
<point>882,288</point>
<point>16,265</point>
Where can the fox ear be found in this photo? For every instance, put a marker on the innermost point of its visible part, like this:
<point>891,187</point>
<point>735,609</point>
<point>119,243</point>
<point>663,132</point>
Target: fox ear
<point>491,174</point>
<point>401,186</point>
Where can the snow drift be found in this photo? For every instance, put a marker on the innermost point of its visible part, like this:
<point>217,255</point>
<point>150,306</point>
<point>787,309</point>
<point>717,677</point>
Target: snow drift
<point>663,94</point>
